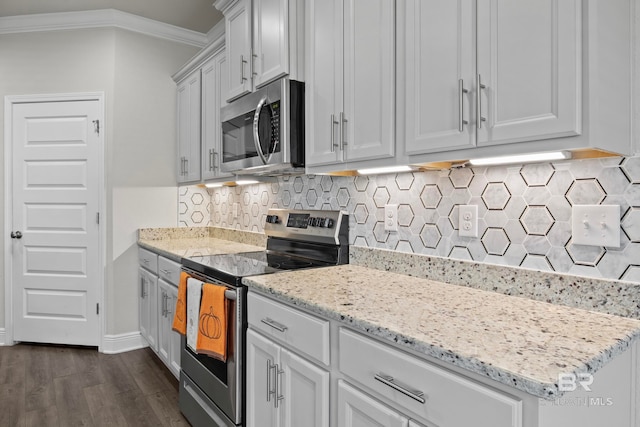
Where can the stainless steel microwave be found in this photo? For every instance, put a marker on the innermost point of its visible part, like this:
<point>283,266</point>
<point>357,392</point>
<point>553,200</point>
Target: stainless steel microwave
<point>263,132</point>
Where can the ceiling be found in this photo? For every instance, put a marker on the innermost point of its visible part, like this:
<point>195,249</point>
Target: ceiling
<point>196,15</point>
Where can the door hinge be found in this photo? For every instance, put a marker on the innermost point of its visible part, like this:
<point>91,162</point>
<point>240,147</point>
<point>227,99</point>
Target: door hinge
<point>96,126</point>
<point>97,308</point>
<point>97,217</point>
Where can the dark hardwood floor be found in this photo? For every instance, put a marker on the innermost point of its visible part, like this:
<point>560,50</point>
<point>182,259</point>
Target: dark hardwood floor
<point>46,385</point>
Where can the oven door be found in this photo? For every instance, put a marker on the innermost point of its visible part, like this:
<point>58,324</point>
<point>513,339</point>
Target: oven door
<point>221,382</point>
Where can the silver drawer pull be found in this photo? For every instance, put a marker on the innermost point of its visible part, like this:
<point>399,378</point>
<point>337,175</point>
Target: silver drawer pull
<point>275,325</point>
<point>167,272</point>
<point>390,381</point>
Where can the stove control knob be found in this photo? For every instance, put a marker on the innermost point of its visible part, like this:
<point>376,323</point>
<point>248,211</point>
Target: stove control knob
<point>311,222</point>
<point>326,223</point>
<point>272,219</point>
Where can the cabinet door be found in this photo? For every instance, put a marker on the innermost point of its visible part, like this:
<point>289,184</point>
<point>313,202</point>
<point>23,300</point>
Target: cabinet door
<point>149,309</point>
<point>189,128</point>
<point>174,337</point>
<point>270,40</point>
<point>163,325</point>
<point>529,59</point>
<point>214,89</point>
<point>143,306</point>
<point>323,88</point>
<point>262,358</point>
<point>356,409</point>
<point>305,388</point>
<point>238,47</point>
<point>368,119</point>
<point>439,75</point>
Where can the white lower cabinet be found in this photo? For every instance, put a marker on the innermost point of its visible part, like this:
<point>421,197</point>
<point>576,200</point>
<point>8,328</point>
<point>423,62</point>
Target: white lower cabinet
<point>304,370</point>
<point>283,389</point>
<point>148,307</point>
<point>158,293</point>
<point>168,340</point>
<point>356,409</point>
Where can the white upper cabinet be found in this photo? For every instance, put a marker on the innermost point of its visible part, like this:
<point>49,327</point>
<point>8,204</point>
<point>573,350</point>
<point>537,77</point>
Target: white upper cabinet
<point>529,64</point>
<point>188,125</point>
<point>350,81</point>
<point>439,41</point>
<point>521,58</point>
<point>238,45</point>
<point>264,41</point>
<point>487,77</point>
<point>215,82</point>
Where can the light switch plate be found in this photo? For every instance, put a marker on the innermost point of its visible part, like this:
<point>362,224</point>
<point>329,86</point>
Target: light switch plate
<point>596,225</point>
<point>468,220</point>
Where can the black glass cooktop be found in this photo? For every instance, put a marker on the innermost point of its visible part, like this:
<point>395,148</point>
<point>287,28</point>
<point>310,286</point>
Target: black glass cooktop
<point>249,263</point>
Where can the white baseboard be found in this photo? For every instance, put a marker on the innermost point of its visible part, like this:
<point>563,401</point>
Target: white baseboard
<point>3,336</point>
<point>112,344</point>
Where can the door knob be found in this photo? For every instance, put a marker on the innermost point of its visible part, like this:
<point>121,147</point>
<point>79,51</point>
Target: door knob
<point>16,235</point>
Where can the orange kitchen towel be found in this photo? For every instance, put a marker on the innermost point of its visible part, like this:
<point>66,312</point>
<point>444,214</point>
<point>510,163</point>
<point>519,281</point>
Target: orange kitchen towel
<point>212,325</point>
<point>180,313</point>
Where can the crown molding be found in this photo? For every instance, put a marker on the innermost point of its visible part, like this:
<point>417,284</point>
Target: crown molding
<point>216,32</point>
<point>99,19</point>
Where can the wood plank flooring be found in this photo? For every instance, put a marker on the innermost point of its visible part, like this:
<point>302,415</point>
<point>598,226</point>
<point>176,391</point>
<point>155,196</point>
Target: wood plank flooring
<point>62,386</point>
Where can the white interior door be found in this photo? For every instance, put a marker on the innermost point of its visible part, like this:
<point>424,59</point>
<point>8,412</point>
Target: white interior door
<point>56,200</point>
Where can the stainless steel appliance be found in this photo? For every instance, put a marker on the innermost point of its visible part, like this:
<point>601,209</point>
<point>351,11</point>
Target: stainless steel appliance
<point>211,391</point>
<point>263,132</point>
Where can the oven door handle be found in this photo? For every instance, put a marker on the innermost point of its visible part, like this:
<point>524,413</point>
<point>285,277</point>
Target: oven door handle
<point>256,136</point>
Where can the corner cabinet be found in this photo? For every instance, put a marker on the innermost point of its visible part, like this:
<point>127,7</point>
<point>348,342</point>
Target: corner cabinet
<point>202,86</point>
<point>264,41</point>
<point>350,82</point>
<point>188,127</point>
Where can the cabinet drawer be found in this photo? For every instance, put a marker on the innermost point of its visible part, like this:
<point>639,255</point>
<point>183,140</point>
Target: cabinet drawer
<point>303,332</point>
<point>169,270</point>
<point>148,260</point>
<point>448,399</point>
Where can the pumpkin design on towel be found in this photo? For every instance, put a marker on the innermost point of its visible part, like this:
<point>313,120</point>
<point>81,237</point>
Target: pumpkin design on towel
<point>210,325</point>
<point>180,310</point>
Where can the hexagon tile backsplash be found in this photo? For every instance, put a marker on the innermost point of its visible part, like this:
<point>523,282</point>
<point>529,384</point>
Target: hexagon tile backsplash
<point>524,211</point>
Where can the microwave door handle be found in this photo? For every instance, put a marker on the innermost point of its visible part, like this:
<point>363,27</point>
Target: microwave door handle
<point>256,137</point>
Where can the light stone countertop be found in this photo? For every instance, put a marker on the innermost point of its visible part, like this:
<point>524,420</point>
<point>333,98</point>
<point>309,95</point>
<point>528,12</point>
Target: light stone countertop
<point>180,242</point>
<point>516,341</point>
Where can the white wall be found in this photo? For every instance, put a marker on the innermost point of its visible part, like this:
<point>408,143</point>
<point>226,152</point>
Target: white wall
<point>135,72</point>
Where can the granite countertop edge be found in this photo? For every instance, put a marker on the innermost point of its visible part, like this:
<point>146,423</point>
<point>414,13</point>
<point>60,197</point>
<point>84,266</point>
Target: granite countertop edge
<point>547,391</point>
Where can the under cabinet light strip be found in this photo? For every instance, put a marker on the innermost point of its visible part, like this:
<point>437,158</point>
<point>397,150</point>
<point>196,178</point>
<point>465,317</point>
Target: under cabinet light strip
<point>388,169</point>
<point>522,158</point>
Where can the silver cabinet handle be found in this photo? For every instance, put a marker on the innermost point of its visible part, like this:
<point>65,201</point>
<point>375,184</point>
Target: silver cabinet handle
<point>170,303</point>
<point>461,92</point>
<point>269,368</point>
<point>211,166</point>
<point>186,166</point>
<point>253,64</point>
<point>141,287</point>
<point>479,118</point>
<point>215,160</point>
<point>334,122</point>
<point>242,62</point>
<point>275,325</point>
<point>343,124</point>
<point>390,381</point>
<point>167,272</point>
<point>279,396</point>
<point>164,310</point>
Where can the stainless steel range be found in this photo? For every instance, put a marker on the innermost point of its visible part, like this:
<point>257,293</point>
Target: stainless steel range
<point>211,391</point>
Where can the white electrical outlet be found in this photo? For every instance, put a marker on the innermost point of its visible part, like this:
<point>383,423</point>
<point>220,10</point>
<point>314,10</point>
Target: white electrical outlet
<point>596,225</point>
<point>236,207</point>
<point>468,220</point>
<point>391,217</point>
